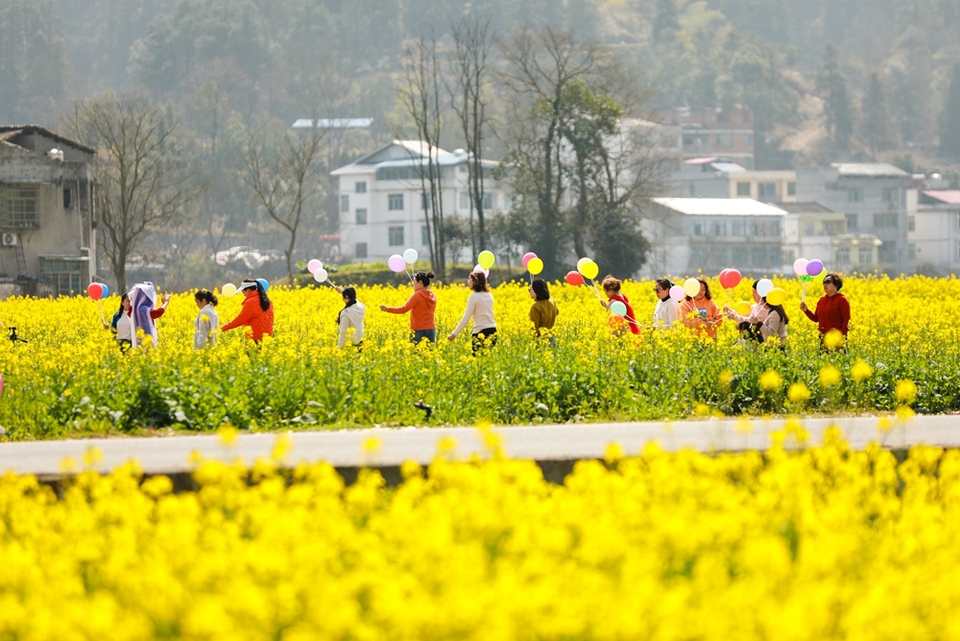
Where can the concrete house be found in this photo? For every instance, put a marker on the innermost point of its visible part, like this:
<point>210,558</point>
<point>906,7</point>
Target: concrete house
<point>935,231</point>
<point>382,199</point>
<point>47,213</point>
<point>703,132</point>
<point>714,178</point>
<point>874,199</point>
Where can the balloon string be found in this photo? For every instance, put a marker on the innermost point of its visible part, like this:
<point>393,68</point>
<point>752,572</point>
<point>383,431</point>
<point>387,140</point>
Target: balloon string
<point>103,319</point>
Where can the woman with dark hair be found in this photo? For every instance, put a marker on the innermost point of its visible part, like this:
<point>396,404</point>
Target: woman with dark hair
<point>750,324</point>
<point>257,312</point>
<point>422,305</point>
<point>351,316</point>
<point>544,311</point>
<point>611,287</point>
<point>833,310</point>
<point>122,324</point>
<point>207,322</point>
<point>667,311</point>
<point>700,312</point>
<point>480,309</point>
<point>774,325</point>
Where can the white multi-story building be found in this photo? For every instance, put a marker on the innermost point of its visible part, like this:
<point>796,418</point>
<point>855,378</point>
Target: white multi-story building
<point>934,230</point>
<point>382,200</point>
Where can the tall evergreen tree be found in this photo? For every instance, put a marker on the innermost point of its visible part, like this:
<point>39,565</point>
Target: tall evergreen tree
<point>876,119</point>
<point>950,119</point>
<point>665,23</point>
<point>837,106</point>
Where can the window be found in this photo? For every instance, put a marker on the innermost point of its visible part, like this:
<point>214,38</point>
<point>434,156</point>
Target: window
<point>464,200</point>
<point>693,189</point>
<point>700,229</point>
<point>851,222</point>
<point>885,220</point>
<point>397,173</point>
<point>488,201</point>
<point>462,169</point>
<point>912,251</point>
<point>843,254</point>
<point>791,188</point>
<point>425,201</point>
<point>890,194</point>
<point>865,256</point>
<point>736,228</point>
<point>67,198</point>
<point>725,140</point>
<point>395,202</point>
<point>958,220</point>
<point>360,251</point>
<point>743,189</point>
<point>344,202</point>
<point>361,187</point>
<point>887,252</point>
<point>718,228</point>
<point>773,229</point>
<point>395,236</point>
<point>758,257</point>
<point>855,195</point>
<point>424,236</point>
<point>361,216</point>
<point>829,228</point>
<point>747,140</point>
<point>767,191</point>
<point>808,229</point>
<point>63,273</point>
<point>911,223</point>
<point>19,206</point>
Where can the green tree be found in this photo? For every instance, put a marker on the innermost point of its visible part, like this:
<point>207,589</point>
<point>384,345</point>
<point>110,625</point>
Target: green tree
<point>837,103</point>
<point>950,119</point>
<point>33,64</point>
<point>876,119</point>
<point>665,22</point>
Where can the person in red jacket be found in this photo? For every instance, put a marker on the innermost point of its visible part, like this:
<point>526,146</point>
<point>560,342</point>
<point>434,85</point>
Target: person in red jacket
<point>611,287</point>
<point>421,305</point>
<point>257,312</point>
<point>833,310</point>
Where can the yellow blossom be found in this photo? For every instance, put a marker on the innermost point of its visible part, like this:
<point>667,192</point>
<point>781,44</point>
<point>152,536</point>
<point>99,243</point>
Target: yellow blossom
<point>770,381</point>
<point>861,371</point>
<point>833,339</point>
<point>906,391</point>
<point>798,393</point>
<point>829,376</point>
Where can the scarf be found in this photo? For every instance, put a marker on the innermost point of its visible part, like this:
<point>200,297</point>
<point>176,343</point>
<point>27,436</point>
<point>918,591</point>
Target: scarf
<point>143,298</point>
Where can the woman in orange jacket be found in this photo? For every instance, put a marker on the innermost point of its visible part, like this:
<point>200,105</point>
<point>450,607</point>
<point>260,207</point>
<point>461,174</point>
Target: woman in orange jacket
<point>257,312</point>
<point>421,305</point>
<point>701,313</point>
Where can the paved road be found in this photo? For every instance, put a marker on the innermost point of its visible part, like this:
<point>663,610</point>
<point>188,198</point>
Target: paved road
<point>345,449</point>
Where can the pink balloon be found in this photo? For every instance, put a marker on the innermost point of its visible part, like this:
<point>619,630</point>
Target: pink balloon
<point>482,270</point>
<point>677,294</point>
<point>574,278</point>
<point>313,265</point>
<point>396,263</point>
<point>527,258</point>
<point>95,291</point>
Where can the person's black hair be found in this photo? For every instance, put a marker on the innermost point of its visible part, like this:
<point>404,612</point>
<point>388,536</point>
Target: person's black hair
<point>665,285</point>
<point>706,290</point>
<point>207,296</point>
<point>539,287</point>
<point>351,294</point>
<point>423,277</point>
<point>755,283</point>
<point>264,301</point>
<point>779,310</point>
<point>836,279</point>
<point>123,298</point>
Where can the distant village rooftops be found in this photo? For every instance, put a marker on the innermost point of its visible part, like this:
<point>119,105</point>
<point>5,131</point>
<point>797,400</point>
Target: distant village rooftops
<point>720,206</point>
<point>940,196</point>
<point>804,208</point>
<point>21,135</point>
<point>869,170</point>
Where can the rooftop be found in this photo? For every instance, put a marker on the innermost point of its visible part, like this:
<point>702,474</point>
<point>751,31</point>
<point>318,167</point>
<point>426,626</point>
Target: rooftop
<point>946,196</point>
<point>11,131</point>
<point>869,170</point>
<point>333,123</point>
<point>719,206</point>
<point>804,208</point>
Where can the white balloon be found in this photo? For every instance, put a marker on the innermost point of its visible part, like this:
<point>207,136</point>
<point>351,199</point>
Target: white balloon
<point>764,285</point>
<point>410,256</point>
<point>320,275</point>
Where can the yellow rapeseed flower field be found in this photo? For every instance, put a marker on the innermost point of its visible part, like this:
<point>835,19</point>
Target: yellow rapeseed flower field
<point>71,379</point>
<point>819,544</point>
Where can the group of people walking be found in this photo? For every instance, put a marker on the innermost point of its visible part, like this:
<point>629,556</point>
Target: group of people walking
<point>135,321</point>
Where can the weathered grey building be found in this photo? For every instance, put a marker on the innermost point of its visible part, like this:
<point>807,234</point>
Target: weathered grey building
<point>48,215</point>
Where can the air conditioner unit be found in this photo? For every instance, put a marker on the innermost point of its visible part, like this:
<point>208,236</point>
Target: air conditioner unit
<point>10,240</point>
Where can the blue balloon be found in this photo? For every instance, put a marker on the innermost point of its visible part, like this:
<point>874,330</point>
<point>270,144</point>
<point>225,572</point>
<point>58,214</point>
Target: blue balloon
<point>106,290</point>
<point>263,283</point>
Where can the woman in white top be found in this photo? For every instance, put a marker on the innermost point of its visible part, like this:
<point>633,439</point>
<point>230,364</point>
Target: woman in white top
<point>480,309</point>
<point>207,322</point>
<point>667,312</point>
<point>122,324</point>
<point>774,327</point>
<point>351,316</point>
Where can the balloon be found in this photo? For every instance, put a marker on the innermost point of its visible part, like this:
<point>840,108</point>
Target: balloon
<point>729,278</point>
<point>616,322</point>
<point>814,267</point>
<point>106,290</point>
<point>313,265</point>
<point>263,283</point>
<point>617,308</point>
<point>534,266</point>
<point>742,308</point>
<point>691,287</point>
<point>396,263</point>
<point>480,269</point>
<point>526,258</point>
<point>677,294</point>
<point>95,291</point>
<point>486,259</point>
<point>800,266</point>
<point>320,275</point>
<point>583,261</point>
<point>819,277</point>
<point>228,290</point>
<point>764,285</point>
<point>777,296</point>
<point>590,269</point>
<point>410,256</point>
<point>574,278</point>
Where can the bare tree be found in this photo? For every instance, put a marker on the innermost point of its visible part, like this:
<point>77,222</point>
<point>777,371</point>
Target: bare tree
<point>420,94</point>
<point>469,99</point>
<point>143,184</point>
<point>283,171</point>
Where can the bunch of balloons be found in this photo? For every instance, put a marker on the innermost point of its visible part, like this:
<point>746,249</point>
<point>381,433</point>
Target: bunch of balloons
<point>774,295</point>
<point>398,263</point>
<point>96,291</point>
<point>532,263</point>
<point>729,278</point>
<point>315,267</point>
<point>808,271</point>
<point>485,260</point>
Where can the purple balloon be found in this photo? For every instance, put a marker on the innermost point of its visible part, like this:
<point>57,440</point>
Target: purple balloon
<point>396,263</point>
<point>814,267</point>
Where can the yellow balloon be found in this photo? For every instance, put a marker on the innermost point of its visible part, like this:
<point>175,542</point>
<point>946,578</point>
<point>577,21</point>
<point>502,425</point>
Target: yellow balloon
<point>743,308</point>
<point>534,266</point>
<point>228,290</point>
<point>486,259</point>
<point>589,270</point>
<point>691,287</point>
<point>777,296</point>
